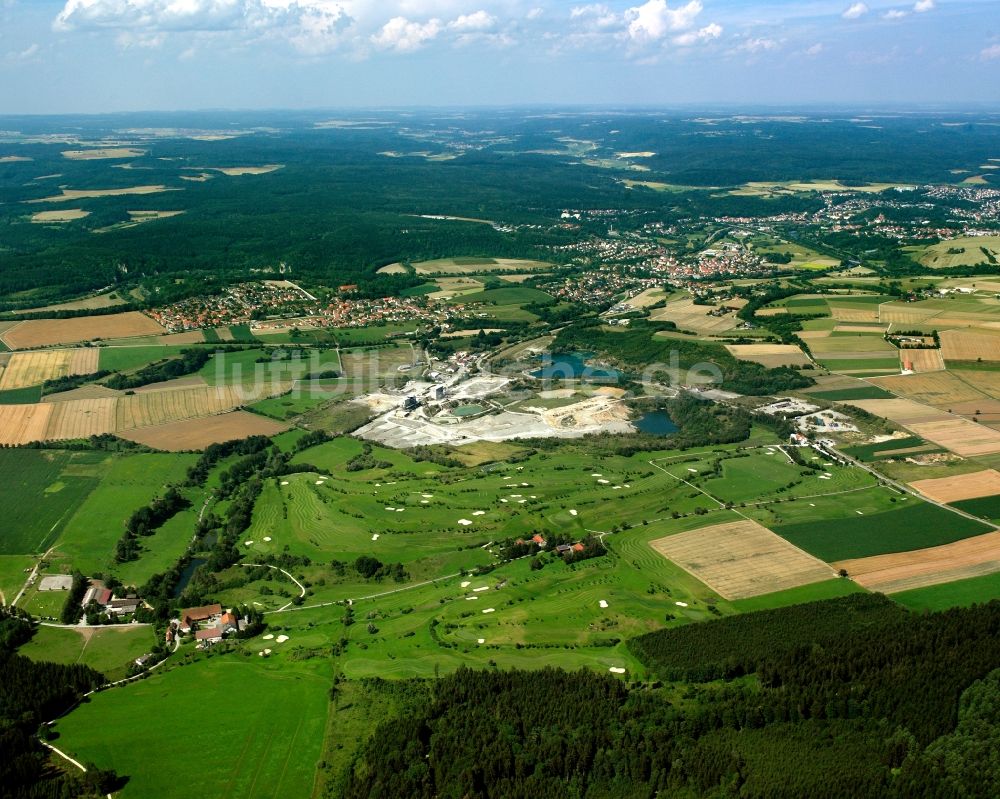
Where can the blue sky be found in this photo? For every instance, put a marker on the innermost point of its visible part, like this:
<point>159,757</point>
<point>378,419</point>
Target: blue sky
<point>120,55</point>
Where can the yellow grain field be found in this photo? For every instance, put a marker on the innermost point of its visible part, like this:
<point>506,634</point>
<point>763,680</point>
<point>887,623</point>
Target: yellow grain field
<point>961,436</point>
<point>34,333</point>
<point>199,433</point>
<point>964,486</point>
<point>22,424</point>
<point>941,389</point>
<point>970,345</point>
<point>902,571</point>
<point>769,355</point>
<point>921,360</point>
<point>63,215</point>
<point>742,559</point>
<point>33,368</point>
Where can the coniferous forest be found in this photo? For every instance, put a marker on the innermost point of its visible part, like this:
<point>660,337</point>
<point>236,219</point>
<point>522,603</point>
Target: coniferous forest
<point>851,697</point>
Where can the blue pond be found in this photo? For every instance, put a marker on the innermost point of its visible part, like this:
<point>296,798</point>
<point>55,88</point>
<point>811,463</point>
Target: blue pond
<point>656,423</point>
<point>572,365</point>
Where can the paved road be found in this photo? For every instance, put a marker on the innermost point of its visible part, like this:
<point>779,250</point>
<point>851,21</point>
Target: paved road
<point>302,588</point>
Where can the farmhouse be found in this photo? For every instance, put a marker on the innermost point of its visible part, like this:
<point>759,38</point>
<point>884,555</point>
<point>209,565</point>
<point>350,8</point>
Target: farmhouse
<point>192,616</point>
<point>104,598</point>
<point>210,635</point>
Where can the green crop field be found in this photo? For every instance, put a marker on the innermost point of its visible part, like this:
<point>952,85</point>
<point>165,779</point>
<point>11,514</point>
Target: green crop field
<point>14,571</point>
<point>241,727</point>
<point>295,403</point>
<point>40,490</point>
<point>127,483</point>
<point>845,394</point>
<point>21,396</point>
<point>123,359</point>
<point>916,526</point>
<point>960,593</point>
<point>849,365</point>
<point>518,295</point>
<point>109,650</point>
<point>873,452</point>
<point>984,507</point>
<point>256,365</point>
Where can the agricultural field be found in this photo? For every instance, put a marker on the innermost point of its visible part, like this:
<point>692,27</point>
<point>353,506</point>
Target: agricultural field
<point>41,489</point>
<point>967,486</point>
<point>970,345</point>
<point>127,482</point>
<point>960,593</point>
<point>196,434</point>
<point>964,251</point>
<point>915,525</point>
<point>921,360</point>
<point>903,571</point>
<point>34,333</point>
<point>32,368</point>
<point>770,355</point>
<point>742,559</point>
<point>688,316</point>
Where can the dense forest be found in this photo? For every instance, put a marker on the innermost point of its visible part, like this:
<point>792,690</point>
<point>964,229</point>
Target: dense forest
<point>32,693</point>
<point>846,698</point>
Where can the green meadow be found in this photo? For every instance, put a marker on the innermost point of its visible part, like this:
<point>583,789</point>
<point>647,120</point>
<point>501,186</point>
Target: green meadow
<point>109,650</point>
<point>233,726</point>
<point>127,482</point>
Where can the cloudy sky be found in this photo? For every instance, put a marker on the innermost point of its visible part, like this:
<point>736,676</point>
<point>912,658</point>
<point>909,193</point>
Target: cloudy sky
<point>114,55</point>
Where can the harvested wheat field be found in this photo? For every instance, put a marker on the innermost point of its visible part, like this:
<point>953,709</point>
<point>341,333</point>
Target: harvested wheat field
<point>64,215</point>
<point>845,314</point>
<point>22,424</point>
<point>34,333</point>
<point>237,171</point>
<point>905,313</point>
<point>103,153</point>
<point>742,559</point>
<point>901,411</point>
<point>969,345</point>
<point>199,433</point>
<point>769,355</point>
<point>901,571</point>
<point>964,486</point>
<point>941,389</point>
<point>89,194</point>
<point>688,316</point>
<point>961,436</point>
<point>921,360</point>
<point>88,392</point>
<point>33,368</point>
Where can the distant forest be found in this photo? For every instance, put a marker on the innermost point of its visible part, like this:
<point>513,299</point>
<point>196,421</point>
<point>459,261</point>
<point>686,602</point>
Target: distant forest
<point>339,208</point>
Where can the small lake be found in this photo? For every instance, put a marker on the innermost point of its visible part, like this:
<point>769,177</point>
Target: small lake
<point>467,410</point>
<point>187,574</point>
<point>572,365</point>
<point>656,423</point>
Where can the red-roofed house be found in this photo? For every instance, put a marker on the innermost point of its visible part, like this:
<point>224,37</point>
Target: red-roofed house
<point>211,635</point>
<point>204,613</point>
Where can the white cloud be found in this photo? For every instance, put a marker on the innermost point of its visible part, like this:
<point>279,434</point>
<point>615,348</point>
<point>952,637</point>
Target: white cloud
<point>894,13</point>
<point>758,45</point>
<point>476,22</point>
<point>655,19</point>
<point>815,49</point>
<point>855,11</point>
<point>922,6</point>
<point>595,16</point>
<point>990,53</point>
<point>26,54</point>
<point>404,36</point>
<point>535,13</point>
<point>706,34</point>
